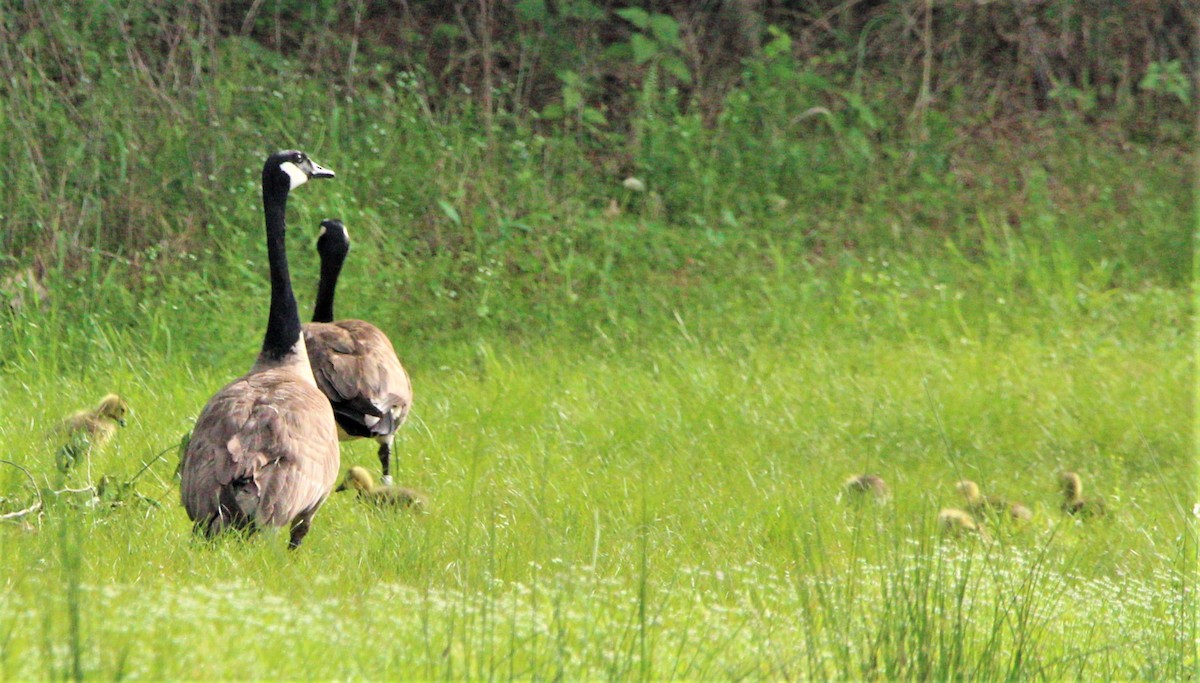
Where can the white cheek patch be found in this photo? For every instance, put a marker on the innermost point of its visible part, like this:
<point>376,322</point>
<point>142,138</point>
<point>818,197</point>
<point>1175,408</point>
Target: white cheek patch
<point>321,233</point>
<point>297,176</point>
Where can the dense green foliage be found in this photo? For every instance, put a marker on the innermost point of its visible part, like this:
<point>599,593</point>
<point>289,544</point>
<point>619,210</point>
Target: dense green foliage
<point>138,128</point>
<point>635,407</point>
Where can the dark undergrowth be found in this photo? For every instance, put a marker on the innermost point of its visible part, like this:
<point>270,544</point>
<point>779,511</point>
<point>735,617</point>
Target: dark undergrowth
<point>785,180</point>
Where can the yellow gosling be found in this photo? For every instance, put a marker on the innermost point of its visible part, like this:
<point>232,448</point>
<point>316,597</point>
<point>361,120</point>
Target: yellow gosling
<point>864,484</point>
<point>89,429</point>
<point>1019,512</point>
<point>955,522</point>
<point>359,479</point>
<point>991,506</point>
<point>1073,501</point>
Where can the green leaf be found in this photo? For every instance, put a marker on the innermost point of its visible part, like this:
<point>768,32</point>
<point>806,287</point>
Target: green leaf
<point>675,66</point>
<point>450,211</point>
<point>581,10</point>
<point>552,112</point>
<point>531,10</point>
<point>860,107</point>
<point>618,51</point>
<point>644,49</point>
<point>780,45</point>
<point>636,16</point>
<point>594,116</point>
<point>858,143</point>
<point>446,32</point>
<point>665,30</point>
<point>1167,78</point>
<point>568,77</point>
<point>572,98</point>
<point>811,79</point>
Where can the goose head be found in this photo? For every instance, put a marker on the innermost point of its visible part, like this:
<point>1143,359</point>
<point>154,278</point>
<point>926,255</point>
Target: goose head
<point>357,478</point>
<point>114,408</point>
<point>289,169</point>
<point>333,241</point>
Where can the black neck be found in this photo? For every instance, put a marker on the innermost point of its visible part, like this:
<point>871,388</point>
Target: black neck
<point>331,267</point>
<point>283,323</point>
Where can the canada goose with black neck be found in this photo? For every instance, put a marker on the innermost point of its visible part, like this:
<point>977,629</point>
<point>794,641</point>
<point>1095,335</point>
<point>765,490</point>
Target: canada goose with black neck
<point>264,450</point>
<point>354,362</point>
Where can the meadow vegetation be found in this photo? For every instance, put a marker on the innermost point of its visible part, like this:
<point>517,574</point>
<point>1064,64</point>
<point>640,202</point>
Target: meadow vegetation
<point>634,408</point>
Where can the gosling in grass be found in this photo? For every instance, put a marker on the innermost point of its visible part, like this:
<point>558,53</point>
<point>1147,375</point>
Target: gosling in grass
<point>983,506</point>
<point>87,430</point>
<point>955,522</point>
<point>359,479</point>
<point>862,485</point>
<point>1073,501</point>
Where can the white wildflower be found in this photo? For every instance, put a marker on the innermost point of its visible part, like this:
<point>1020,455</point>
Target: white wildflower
<point>634,184</point>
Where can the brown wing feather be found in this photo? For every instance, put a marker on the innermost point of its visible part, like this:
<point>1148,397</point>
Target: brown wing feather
<point>271,437</point>
<point>356,366</point>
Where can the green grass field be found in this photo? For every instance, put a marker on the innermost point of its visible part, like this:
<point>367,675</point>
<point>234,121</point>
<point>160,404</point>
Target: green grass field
<point>661,502</point>
<point>635,410</point>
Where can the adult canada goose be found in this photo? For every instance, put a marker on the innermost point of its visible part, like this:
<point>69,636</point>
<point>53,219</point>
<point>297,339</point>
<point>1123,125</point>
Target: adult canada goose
<point>867,483</point>
<point>354,363</point>
<point>1073,501</point>
<point>264,450</point>
<point>89,429</point>
<point>984,507</point>
<point>359,479</point>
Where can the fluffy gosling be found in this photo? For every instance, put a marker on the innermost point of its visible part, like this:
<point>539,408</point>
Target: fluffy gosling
<point>864,484</point>
<point>1073,501</point>
<point>991,506</point>
<point>955,522</point>
<point>89,429</point>
<point>359,479</point>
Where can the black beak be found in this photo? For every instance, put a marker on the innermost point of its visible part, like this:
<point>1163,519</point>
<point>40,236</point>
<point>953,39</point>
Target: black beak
<point>316,170</point>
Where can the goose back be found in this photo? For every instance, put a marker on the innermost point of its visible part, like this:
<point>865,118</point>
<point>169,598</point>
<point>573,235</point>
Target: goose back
<point>355,366</point>
<point>256,457</point>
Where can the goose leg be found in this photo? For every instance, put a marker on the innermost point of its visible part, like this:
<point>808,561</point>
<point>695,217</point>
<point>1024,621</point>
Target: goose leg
<point>385,457</point>
<point>300,528</point>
